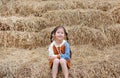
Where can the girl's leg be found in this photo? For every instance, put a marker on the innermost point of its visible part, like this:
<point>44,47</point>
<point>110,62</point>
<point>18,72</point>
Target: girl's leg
<point>63,64</point>
<point>55,67</point>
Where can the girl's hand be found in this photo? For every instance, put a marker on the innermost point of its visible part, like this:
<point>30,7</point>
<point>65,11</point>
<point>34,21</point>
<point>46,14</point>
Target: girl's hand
<point>52,57</point>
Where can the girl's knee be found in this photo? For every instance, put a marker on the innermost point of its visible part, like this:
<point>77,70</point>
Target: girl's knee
<point>62,61</point>
<point>56,61</point>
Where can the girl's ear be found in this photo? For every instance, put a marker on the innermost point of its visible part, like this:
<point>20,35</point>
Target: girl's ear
<point>65,38</point>
<point>53,36</point>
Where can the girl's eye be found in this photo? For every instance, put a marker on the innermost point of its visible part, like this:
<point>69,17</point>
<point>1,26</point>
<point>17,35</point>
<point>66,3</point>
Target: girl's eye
<point>62,33</point>
<point>58,32</point>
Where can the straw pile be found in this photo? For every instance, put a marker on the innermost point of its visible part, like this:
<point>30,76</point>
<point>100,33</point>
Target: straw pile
<point>90,18</point>
<point>29,24</point>
<point>116,14</point>
<point>91,62</point>
<point>21,39</point>
<point>113,34</point>
<point>88,62</point>
<point>87,35</point>
<point>22,32</point>
<point>92,25</point>
<point>103,5</point>
<point>38,7</point>
<point>22,63</point>
<point>4,26</point>
<point>99,38</point>
<point>93,30</point>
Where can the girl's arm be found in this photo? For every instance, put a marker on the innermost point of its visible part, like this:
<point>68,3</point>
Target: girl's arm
<point>67,52</point>
<point>50,50</point>
<point>51,53</point>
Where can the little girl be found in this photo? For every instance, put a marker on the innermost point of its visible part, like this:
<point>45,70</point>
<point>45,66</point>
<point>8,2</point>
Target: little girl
<point>59,51</point>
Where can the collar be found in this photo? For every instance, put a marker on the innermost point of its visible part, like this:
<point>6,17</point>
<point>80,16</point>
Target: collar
<point>60,44</point>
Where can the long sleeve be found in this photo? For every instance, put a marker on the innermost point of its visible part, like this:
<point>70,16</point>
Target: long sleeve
<point>51,53</point>
<point>67,52</point>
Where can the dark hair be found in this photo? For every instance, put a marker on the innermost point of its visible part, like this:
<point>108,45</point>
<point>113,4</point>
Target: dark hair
<point>66,34</point>
<point>54,31</point>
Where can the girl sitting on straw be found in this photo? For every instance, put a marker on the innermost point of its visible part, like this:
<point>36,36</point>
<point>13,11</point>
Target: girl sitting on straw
<point>59,52</point>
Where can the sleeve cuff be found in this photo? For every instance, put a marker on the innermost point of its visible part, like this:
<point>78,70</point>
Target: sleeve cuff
<point>58,56</point>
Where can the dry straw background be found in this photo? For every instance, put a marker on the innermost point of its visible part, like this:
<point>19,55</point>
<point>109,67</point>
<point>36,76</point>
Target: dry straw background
<point>93,27</point>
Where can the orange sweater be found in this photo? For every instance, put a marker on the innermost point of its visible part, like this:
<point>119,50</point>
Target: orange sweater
<point>63,50</point>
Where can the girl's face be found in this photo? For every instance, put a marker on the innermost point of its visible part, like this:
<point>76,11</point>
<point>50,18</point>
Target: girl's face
<point>59,35</point>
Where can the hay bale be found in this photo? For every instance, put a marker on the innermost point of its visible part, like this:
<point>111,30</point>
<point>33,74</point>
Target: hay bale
<point>6,8</point>
<point>87,62</point>
<point>63,5</point>
<point>4,26</point>
<point>100,69</point>
<point>38,7</point>
<point>4,1</point>
<point>45,33</point>
<point>35,8</point>
<point>97,37</point>
<point>92,4</point>
<point>30,24</point>
<point>116,14</point>
<point>5,71</point>
<point>27,8</point>
<point>96,19</point>
<point>87,35</point>
<point>26,40</point>
<point>91,18</point>
<point>113,34</point>
<point>103,5</point>
<point>30,69</point>
<point>21,63</point>
<point>0,3</point>
<point>19,39</point>
<point>91,62</point>
<point>20,7</point>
